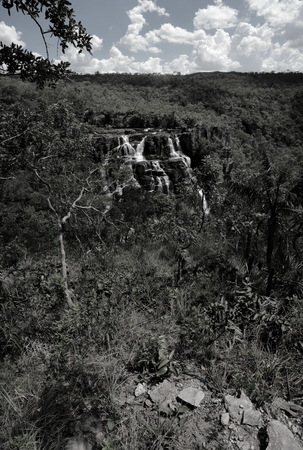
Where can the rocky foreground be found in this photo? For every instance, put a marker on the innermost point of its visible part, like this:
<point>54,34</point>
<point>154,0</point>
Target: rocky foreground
<point>200,417</point>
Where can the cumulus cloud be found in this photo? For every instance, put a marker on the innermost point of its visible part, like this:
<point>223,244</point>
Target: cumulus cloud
<point>177,35</point>
<point>216,16</point>
<point>152,65</point>
<point>210,51</point>
<point>132,39</point>
<point>249,39</point>
<point>283,58</point>
<point>213,53</point>
<point>278,13</point>
<point>10,34</point>
<point>284,16</point>
<point>212,44</point>
<point>96,42</point>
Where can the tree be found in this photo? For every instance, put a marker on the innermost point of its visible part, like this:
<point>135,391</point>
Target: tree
<point>50,154</point>
<point>16,60</point>
<point>270,212</point>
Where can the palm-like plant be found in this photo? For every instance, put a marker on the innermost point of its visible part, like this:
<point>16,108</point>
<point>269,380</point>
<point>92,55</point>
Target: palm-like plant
<point>272,200</point>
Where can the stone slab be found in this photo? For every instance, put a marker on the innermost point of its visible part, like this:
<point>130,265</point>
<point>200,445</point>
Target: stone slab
<point>191,396</point>
<point>280,437</point>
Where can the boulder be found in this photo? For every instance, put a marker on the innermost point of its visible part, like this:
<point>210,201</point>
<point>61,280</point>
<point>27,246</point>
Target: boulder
<point>236,406</point>
<point>280,437</point>
<point>191,396</point>
<point>164,393</point>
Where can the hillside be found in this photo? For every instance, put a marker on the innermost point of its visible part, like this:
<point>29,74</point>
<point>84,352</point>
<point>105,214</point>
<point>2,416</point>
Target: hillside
<point>150,230</point>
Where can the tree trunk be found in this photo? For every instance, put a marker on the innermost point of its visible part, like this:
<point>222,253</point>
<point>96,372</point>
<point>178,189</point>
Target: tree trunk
<point>269,251</point>
<point>64,267</point>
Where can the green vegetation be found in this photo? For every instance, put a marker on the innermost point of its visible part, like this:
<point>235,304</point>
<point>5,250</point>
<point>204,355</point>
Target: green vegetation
<point>59,21</point>
<point>92,291</point>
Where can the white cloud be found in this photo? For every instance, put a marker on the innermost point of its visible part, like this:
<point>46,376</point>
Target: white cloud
<point>283,58</point>
<point>10,34</point>
<point>152,65</point>
<point>177,35</point>
<point>247,47</point>
<point>253,44</point>
<point>278,12</point>
<point>216,16</point>
<point>182,64</point>
<point>133,40</point>
<point>96,42</point>
<point>249,39</point>
<point>212,53</point>
<point>284,16</point>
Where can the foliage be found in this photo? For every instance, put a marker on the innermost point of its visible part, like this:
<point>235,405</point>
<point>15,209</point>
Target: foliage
<point>16,60</point>
<point>156,358</point>
<point>235,306</point>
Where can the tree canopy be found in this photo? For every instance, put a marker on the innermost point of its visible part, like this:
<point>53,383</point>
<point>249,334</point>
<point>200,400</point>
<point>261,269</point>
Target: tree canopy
<point>14,59</point>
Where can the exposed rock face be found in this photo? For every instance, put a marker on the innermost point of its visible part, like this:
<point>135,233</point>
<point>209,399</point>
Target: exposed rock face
<point>190,140</point>
<point>157,161</point>
<point>280,437</point>
<point>160,160</point>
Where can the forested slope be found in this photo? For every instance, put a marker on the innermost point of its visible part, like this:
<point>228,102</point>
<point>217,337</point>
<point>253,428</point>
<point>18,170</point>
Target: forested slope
<point>98,280</point>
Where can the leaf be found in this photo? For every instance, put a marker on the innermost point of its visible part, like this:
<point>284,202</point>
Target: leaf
<point>174,370</point>
<point>111,425</point>
<point>183,421</point>
<point>171,354</point>
<point>164,362</point>
<point>167,410</point>
<point>182,409</point>
<point>162,371</point>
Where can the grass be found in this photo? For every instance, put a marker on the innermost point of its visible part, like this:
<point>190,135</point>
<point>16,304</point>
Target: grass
<point>87,358</point>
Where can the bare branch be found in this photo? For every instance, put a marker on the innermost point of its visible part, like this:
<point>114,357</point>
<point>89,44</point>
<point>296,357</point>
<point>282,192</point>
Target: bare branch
<point>15,137</point>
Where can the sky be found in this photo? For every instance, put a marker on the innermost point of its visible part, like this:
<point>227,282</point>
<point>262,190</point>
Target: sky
<point>167,36</point>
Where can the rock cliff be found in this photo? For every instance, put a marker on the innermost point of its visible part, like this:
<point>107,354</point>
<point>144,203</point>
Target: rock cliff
<point>161,161</point>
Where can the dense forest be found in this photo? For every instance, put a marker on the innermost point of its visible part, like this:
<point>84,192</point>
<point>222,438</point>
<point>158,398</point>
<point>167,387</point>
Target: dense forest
<point>103,279</point>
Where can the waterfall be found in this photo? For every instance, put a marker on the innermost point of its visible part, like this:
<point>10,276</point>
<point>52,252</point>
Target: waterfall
<point>173,153</point>
<point>165,184</point>
<point>139,151</point>
<point>187,158</point>
<point>204,202</point>
<point>125,147</point>
<point>158,184</point>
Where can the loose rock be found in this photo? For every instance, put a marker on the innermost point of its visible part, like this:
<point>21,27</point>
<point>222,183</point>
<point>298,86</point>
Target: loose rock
<point>280,437</point>
<point>225,419</point>
<point>236,406</point>
<point>140,390</point>
<point>164,392</point>
<point>78,443</point>
<point>191,396</point>
<point>251,417</point>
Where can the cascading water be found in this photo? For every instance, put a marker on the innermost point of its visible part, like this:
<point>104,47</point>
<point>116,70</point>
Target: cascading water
<point>205,207</point>
<point>173,153</point>
<point>159,179</point>
<point>187,158</point>
<point>126,148</point>
<point>139,151</point>
<point>165,184</point>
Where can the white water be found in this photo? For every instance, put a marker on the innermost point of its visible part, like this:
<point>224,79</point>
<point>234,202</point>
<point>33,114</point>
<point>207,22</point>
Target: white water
<point>173,153</point>
<point>125,147</point>
<point>165,184</point>
<point>161,180</point>
<point>204,202</point>
<point>187,158</point>
<point>139,151</point>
